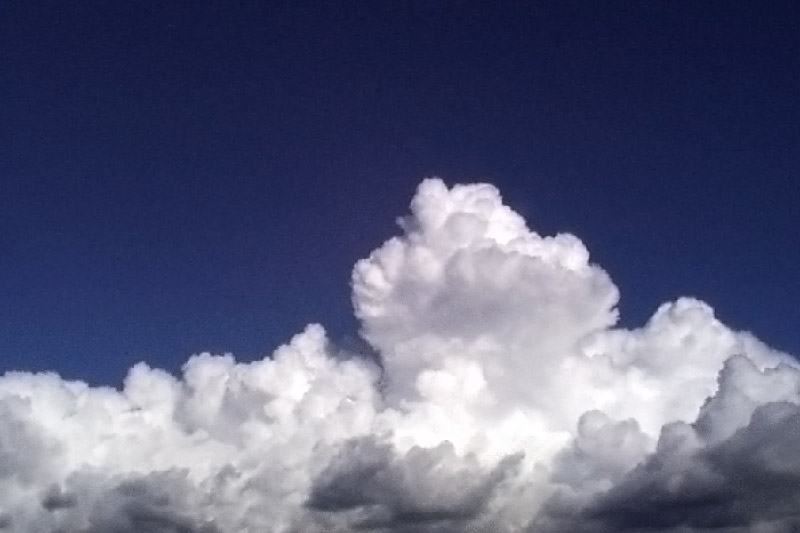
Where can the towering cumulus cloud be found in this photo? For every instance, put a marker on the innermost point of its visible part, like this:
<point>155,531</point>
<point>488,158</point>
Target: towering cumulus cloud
<point>504,399</point>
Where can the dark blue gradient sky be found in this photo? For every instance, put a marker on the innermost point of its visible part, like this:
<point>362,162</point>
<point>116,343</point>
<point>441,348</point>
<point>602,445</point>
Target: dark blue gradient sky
<point>202,176</point>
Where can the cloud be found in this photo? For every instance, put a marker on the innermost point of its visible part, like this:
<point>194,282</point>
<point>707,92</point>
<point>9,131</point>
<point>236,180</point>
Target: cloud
<point>498,395</point>
<point>422,487</point>
<point>741,471</point>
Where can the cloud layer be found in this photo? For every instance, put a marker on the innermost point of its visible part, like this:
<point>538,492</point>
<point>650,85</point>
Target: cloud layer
<point>505,399</point>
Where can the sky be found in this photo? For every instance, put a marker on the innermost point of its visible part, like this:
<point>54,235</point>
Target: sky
<point>525,267</point>
<point>185,178</point>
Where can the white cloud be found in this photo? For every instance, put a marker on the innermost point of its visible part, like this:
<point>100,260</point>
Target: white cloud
<point>506,400</point>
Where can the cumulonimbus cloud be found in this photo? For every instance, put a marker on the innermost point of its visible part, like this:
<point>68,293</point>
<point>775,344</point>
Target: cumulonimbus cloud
<point>505,399</point>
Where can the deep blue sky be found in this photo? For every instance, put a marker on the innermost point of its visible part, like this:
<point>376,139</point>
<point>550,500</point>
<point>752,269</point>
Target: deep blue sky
<point>202,176</point>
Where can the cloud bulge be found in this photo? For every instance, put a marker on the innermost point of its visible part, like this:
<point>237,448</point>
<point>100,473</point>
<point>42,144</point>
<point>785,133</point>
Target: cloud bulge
<point>505,398</point>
